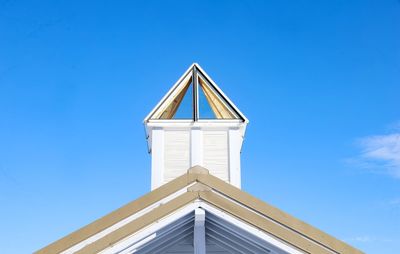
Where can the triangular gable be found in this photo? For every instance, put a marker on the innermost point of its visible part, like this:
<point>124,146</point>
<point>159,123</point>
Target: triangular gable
<point>198,185</point>
<point>176,235</point>
<point>197,80</point>
<point>221,234</point>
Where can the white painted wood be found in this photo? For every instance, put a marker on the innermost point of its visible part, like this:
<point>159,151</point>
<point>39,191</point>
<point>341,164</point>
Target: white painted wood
<point>176,153</point>
<point>196,147</point>
<point>279,246</point>
<point>199,239</point>
<point>135,241</point>
<point>235,144</point>
<point>157,158</point>
<point>171,241</point>
<point>176,148</point>
<point>125,221</point>
<point>207,142</point>
<point>184,246</point>
<point>215,153</point>
<point>214,247</point>
<point>216,124</point>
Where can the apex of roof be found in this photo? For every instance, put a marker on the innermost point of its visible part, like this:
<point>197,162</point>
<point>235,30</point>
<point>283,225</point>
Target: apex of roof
<point>196,186</point>
<point>198,170</point>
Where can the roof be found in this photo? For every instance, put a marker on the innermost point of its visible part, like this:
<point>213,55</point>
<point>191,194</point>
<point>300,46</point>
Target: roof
<point>197,185</point>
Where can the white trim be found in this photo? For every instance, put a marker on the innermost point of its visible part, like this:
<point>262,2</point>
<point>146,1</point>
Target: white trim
<point>196,147</point>
<point>123,222</point>
<point>222,93</point>
<point>132,242</point>
<point>132,248</point>
<point>168,93</point>
<point>184,124</point>
<point>198,124</point>
<point>199,235</point>
<point>250,229</point>
<point>234,144</point>
<point>157,158</point>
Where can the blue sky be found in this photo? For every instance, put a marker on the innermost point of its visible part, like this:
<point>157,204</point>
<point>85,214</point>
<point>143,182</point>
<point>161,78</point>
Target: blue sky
<point>318,80</point>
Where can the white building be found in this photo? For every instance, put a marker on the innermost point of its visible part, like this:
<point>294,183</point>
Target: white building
<point>194,135</point>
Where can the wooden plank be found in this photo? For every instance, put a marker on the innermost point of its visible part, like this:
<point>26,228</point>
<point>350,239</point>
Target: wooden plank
<point>277,215</point>
<point>217,105</point>
<point>172,102</point>
<point>290,237</point>
<point>277,222</point>
<point>141,222</point>
<point>210,101</point>
<point>170,111</point>
<point>119,214</point>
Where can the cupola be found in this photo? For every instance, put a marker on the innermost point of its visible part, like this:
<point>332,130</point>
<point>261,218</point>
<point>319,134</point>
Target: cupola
<point>195,123</point>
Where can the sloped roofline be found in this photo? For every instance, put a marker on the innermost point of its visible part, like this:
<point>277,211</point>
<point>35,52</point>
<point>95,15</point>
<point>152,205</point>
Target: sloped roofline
<point>119,214</point>
<point>211,190</point>
<point>215,86</point>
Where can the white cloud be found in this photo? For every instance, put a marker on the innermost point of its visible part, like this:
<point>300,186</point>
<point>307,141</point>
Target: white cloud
<point>381,153</point>
<point>367,239</point>
<point>362,239</point>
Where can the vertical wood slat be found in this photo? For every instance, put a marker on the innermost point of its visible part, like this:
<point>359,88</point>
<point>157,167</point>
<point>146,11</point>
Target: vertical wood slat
<point>176,154</point>
<point>215,153</point>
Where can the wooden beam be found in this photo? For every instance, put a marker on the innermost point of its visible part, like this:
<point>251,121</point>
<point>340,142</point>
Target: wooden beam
<point>122,213</point>
<point>277,216</point>
<point>141,222</point>
<point>216,104</point>
<point>199,239</point>
<point>284,234</point>
<point>165,110</point>
<point>170,111</point>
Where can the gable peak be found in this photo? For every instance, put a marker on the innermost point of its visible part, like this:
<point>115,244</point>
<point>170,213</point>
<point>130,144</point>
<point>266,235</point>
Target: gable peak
<point>195,96</point>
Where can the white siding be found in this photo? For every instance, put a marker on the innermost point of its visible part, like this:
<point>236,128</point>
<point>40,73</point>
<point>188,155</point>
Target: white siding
<point>215,156</point>
<point>176,154</point>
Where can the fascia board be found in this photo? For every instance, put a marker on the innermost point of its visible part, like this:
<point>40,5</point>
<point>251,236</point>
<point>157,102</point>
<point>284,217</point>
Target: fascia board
<point>275,214</point>
<point>290,237</point>
<point>136,240</point>
<point>123,222</point>
<point>140,223</point>
<point>219,124</point>
<point>120,214</point>
<point>230,195</point>
<point>195,124</point>
<point>252,231</point>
